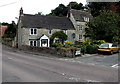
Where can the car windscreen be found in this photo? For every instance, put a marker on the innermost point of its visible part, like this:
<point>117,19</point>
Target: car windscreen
<point>104,45</point>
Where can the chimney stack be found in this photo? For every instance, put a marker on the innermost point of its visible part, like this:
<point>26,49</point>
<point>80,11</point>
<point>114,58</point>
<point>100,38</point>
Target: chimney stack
<point>69,10</point>
<point>21,11</point>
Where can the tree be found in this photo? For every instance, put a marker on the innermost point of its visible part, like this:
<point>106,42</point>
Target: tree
<point>5,23</point>
<point>62,10</point>
<point>104,27</point>
<point>10,32</point>
<point>59,34</point>
<point>39,13</point>
<point>77,6</point>
<point>98,7</point>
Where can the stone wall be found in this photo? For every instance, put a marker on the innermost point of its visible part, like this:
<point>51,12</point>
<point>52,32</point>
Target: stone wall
<point>8,43</point>
<point>54,51</point>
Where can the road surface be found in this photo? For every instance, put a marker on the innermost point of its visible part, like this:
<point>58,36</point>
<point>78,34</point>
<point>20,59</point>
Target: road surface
<point>18,66</point>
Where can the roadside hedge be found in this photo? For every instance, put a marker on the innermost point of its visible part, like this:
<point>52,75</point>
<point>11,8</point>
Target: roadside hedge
<point>91,49</point>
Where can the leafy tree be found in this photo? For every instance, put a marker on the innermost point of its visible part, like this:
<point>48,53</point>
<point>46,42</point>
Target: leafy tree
<point>77,6</point>
<point>39,13</point>
<point>104,27</point>
<point>5,23</point>
<point>98,7</point>
<point>10,32</point>
<point>62,10</point>
<point>59,34</point>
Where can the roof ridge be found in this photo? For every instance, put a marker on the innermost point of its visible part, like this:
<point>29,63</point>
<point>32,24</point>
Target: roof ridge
<point>44,16</point>
<point>79,10</point>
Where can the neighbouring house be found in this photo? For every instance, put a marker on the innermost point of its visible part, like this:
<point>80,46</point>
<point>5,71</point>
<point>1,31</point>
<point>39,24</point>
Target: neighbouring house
<point>2,30</point>
<point>36,30</point>
<point>79,19</point>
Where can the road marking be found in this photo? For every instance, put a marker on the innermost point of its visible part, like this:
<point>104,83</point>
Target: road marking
<point>116,65</point>
<point>10,58</point>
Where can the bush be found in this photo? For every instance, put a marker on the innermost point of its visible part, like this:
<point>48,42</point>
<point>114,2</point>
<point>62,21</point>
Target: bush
<point>98,42</point>
<point>57,44</point>
<point>91,49</point>
<point>7,39</point>
<point>87,42</point>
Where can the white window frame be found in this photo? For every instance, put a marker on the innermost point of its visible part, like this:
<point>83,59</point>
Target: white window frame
<point>80,27</point>
<point>80,37</point>
<point>33,42</point>
<point>33,31</point>
<point>65,31</point>
<point>49,32</point>
<point>86,19</point>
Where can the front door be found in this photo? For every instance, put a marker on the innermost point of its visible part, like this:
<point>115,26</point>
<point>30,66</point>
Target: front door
<point>44,43</point>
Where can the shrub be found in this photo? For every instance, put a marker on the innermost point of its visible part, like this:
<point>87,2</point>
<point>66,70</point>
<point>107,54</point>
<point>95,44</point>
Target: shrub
<point>98,42</point>
<point>57,44</point>
<point>91,49</point>
<point>7,39</point>
<point>87,42</point>
<point>83,48</point>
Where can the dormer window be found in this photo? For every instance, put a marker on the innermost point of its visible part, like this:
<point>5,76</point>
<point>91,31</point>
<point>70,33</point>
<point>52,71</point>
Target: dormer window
<point>86,19</point>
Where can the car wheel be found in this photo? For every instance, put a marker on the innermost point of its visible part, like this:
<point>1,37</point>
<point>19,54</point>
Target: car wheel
<point>111,52</point>
<point>99,52</point>
<point>118,51</point>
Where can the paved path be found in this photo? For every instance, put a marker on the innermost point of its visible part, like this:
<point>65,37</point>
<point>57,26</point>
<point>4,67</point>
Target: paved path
<point>24,67</point>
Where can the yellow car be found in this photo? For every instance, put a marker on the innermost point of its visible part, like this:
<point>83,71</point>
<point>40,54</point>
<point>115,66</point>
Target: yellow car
<point>108,47</point>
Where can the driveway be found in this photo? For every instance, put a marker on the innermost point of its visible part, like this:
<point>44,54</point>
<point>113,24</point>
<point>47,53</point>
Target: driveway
<point>98,59</point>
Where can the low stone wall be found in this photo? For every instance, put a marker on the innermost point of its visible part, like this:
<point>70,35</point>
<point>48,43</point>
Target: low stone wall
<point>55,51</point>
<point>9,43</point>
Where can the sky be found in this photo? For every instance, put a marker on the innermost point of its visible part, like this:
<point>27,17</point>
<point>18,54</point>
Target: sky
<point>9,9</point>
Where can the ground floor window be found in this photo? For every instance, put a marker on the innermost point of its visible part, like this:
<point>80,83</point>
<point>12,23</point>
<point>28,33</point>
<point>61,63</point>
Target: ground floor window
<point>33,43</point>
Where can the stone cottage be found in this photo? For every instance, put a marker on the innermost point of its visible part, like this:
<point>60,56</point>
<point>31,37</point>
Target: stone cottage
<point>79,19</point>
<point>36,30</point>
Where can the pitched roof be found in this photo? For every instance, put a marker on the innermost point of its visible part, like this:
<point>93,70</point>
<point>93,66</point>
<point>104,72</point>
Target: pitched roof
<point>79,15</point>
<point>49,22</point>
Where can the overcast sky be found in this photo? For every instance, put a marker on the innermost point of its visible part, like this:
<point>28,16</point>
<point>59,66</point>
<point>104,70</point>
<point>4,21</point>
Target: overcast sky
<point>9,9</point>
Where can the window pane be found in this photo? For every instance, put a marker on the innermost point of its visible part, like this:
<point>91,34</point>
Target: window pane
<point>104,45</point>
<point>114,45</point>
<point>31,43</point>
<point>35,43</point>
<point>31,31</point>
<point>50,32</point>
<point>80,27</point>
<point>73,35</point>
<point>80,36</point>
<point>35,31</point>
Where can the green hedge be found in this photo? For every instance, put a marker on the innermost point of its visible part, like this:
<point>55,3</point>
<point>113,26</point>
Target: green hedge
<point>91,49</point>
<point>57,44</point>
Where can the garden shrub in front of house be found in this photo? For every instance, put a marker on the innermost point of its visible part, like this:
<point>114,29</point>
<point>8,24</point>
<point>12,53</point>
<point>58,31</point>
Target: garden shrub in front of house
<point>57,44</point>
<point>91,49</point>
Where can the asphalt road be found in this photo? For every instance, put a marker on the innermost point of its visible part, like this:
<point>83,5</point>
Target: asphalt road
<point>98,59</point>
<point>18,66</point>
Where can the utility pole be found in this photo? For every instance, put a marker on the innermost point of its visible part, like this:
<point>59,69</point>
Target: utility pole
<point>0,32</point>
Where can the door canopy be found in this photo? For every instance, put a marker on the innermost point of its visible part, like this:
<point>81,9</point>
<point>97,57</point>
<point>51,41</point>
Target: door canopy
<point>44,41</point>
